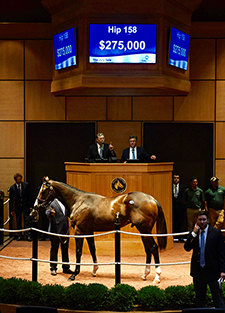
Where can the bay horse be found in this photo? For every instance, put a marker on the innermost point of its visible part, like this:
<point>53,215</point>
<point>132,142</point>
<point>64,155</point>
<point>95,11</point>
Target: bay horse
<point>90,212</point>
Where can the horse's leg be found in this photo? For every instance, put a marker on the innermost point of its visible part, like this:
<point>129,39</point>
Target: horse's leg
<point>148,260</point>
<point>79,247</point>
<point>152,248</point>
<point>91,245</point>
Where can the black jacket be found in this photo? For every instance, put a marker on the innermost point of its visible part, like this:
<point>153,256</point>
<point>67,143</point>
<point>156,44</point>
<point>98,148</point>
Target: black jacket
<point>20,203</point>
<point>142,155</point>
<point>93,152</point>
<point>214,253</point>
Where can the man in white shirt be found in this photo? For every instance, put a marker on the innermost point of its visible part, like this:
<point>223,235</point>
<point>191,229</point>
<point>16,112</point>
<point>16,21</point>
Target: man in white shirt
<point>135,152</point>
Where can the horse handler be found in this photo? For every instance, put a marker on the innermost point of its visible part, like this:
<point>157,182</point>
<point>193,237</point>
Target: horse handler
<point>214,197</point>
<point>58,223</point>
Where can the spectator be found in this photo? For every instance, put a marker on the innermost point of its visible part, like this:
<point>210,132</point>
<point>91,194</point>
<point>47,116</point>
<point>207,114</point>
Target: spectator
<point>20,202</point>
<point>194,200</point>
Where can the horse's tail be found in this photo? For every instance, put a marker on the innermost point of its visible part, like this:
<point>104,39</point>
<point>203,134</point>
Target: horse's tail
<point>161,227</point>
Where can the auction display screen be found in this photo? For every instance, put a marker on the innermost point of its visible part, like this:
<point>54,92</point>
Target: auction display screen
<point>65,49</point>
<point>178,50</point>
<point>122,43</point>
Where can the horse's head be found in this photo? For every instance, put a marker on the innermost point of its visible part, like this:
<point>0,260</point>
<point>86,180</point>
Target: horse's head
<point>46,193</point>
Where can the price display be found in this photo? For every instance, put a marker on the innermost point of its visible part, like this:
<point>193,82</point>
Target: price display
<point>122,43</point>
<point>179,46</point>
<point>64,48</point>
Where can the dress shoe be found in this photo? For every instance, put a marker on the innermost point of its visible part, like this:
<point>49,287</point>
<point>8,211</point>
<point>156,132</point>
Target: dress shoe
<point>19,238</point>
<point>53,272</point>
<point>68,271</point>
<point>29,238</point>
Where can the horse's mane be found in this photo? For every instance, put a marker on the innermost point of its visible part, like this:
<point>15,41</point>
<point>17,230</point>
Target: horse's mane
<point>71,187</point>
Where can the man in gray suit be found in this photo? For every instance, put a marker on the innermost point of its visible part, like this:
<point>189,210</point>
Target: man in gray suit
<point>59,224</point>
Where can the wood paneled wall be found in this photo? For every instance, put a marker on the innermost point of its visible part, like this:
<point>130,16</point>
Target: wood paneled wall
<point>25,78</point>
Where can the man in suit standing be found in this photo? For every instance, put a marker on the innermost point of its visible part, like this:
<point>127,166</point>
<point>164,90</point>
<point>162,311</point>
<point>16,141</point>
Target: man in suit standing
<point>179,209</point>
<point>208,260</point>
<point>100,150</point>
<point>135,152</point>
<point>58,224</point>
<point>20,202</point>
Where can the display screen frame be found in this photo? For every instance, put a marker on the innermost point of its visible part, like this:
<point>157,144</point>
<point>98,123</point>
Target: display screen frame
<point>119,38</point>
<point>65,49</point>
<point>178,52</point>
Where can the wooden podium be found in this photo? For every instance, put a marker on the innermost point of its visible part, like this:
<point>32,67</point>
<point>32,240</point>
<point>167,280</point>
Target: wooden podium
<point>152,178</point>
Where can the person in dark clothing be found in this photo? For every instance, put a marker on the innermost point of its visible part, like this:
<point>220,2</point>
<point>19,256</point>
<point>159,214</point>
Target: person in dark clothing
<point>179,209</point>
<point>58,224</point>
<point>100,150</point>
<point>20,203</point>
<point>135,152</point>
<point>208,260</point>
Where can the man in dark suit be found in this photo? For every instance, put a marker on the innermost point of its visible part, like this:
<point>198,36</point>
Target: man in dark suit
<point>179,209</point>
<point>135,152</point>
<point>208,260</point>
<point>100,150</point>
<point>20,202</point>
<point>58,224</point>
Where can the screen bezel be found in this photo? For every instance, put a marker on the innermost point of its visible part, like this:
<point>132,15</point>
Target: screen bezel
<point>120,64</point>
<point>75,49</point>
<point>169,46</point>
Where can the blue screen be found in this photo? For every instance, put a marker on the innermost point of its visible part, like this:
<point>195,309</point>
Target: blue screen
<point>64,48</point>
<point>179,46</point>
<point>122,43</point>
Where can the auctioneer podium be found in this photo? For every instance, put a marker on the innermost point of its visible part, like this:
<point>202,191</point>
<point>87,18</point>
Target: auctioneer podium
<point>112,179</point>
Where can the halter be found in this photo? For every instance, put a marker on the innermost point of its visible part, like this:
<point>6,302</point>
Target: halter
<point>50,194</point>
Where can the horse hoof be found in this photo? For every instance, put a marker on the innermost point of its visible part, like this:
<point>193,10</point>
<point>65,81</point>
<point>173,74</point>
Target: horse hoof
<point>156,281</point>
<point>71,278</point>
<point>93,273</point>
<point>146,272</point>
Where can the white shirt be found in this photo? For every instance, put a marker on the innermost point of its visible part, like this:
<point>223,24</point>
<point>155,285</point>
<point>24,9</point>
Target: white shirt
<point>20,188</point>
<point>99,149</point>
<point>61,206</point>
<point>131,153</point>
<point>200,233</point>
<point>174,189</point>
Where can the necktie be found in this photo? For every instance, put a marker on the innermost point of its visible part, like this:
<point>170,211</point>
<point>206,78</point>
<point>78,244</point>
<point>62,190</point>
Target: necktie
<point>133,154</point>
<point>19,190</point>
<point>101,152</point>
<point>202,249</point>
<point>175,192</point>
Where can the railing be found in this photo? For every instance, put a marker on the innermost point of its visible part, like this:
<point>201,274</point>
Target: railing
<point>34,259</point>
